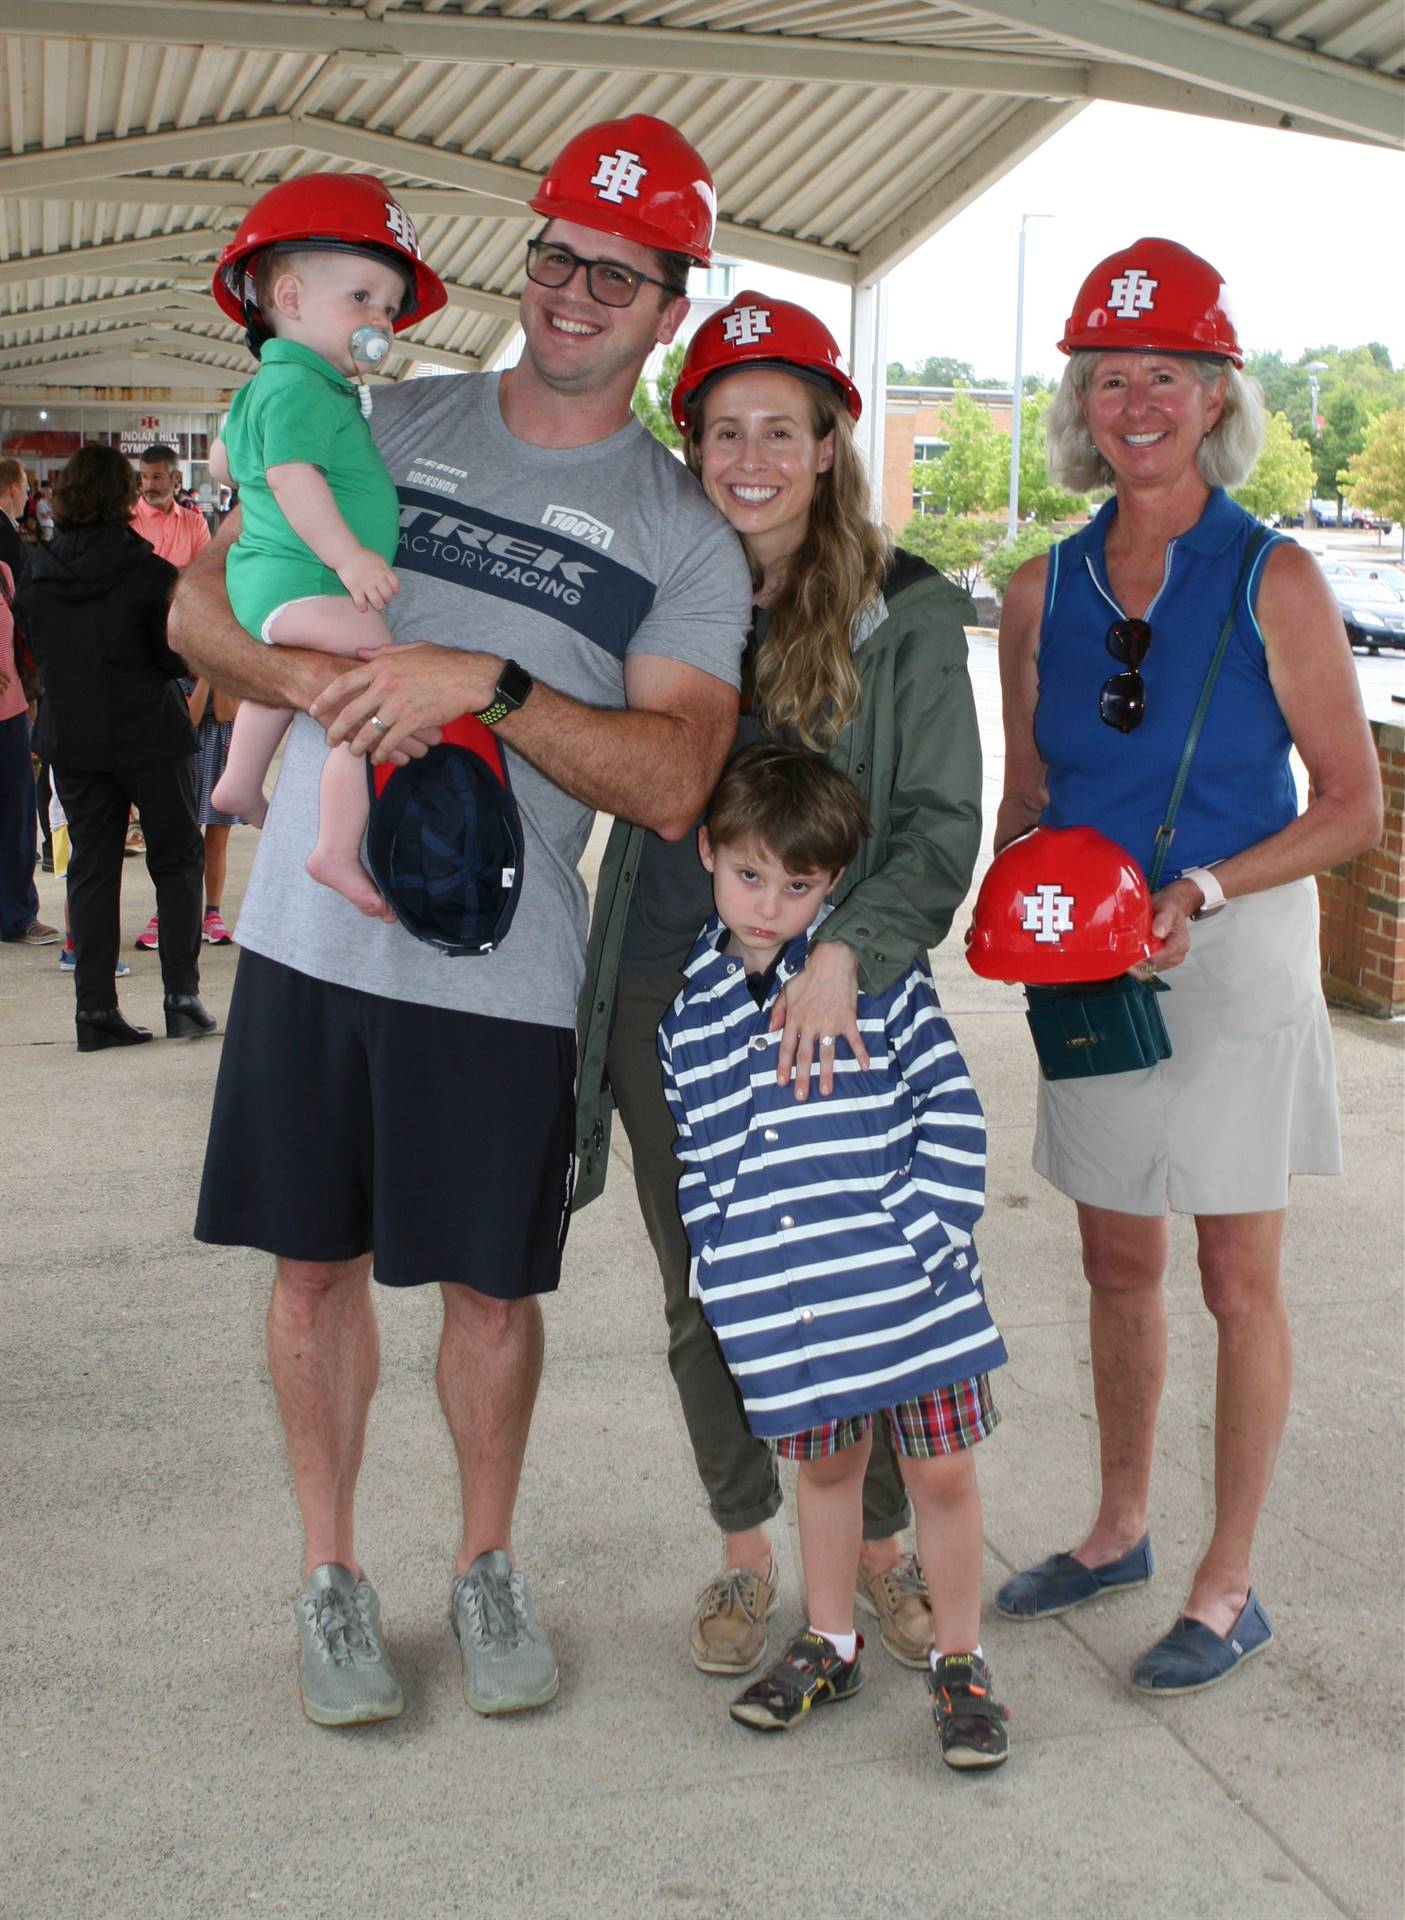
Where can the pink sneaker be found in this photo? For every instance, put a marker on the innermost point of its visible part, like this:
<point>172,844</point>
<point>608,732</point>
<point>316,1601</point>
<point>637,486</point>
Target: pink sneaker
<point>213,931</point>
<point>147,940</point>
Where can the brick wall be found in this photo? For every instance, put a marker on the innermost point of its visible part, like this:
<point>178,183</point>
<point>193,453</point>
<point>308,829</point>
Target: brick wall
<point>1363,902</point>
<point>915,413</point>
<point>899,433</point>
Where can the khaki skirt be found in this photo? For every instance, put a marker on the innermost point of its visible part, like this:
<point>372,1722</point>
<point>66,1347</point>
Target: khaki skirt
<point>1248,1097</point>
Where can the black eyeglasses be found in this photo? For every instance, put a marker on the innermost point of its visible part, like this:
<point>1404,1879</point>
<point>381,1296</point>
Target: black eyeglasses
<point>1122,702</point>
<point>552,265</point>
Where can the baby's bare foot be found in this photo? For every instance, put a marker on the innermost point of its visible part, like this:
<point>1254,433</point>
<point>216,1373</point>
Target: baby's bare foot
<point>246,803</point>
<point>351,880</point>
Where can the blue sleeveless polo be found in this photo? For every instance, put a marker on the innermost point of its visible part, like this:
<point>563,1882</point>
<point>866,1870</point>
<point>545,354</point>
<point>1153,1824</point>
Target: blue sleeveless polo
<point>1240,788</point>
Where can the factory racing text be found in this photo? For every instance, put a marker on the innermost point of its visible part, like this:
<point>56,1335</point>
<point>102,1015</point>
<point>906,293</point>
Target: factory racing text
<point>584,588</point>
<point>444,537</point>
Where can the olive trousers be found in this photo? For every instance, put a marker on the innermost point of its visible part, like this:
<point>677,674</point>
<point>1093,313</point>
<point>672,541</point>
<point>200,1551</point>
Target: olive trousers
<point>737,1470</point>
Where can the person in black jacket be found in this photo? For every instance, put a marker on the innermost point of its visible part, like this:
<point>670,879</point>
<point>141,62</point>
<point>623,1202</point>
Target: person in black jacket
<point>115,730</point>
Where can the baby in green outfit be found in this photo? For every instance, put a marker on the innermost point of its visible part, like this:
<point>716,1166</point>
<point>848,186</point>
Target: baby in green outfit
<point>322,270</point>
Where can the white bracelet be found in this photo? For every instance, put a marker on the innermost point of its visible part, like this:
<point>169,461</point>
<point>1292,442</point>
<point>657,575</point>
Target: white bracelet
<point>1209,886</point>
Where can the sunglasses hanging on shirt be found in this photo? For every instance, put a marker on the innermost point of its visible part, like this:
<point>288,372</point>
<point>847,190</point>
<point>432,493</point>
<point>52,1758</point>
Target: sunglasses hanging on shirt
<point>1122,701</point>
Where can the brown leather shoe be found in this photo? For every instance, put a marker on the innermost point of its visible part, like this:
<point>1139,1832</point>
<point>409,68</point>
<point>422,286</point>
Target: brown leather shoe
<point>899,1599</point>
<point>729,1628</point>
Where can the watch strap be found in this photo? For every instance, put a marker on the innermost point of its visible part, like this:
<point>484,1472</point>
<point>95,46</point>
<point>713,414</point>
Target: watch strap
<point>505,700</point>
<point>1214,894</point>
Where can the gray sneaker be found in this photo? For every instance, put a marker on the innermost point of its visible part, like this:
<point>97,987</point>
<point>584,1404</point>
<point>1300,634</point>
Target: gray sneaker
<point>343,1670</point>
<point>508,1665</point>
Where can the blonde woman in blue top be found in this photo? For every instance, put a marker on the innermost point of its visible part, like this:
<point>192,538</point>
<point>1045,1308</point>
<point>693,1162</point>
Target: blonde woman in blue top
<point>1104,646</point>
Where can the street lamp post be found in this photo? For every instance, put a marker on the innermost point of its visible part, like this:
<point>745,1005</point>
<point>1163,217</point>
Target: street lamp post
<point>1017,414</point>
<point>1312,369</point>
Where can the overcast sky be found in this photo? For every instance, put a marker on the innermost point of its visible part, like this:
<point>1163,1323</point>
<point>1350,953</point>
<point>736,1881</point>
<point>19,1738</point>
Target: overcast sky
<point>1307,233</point>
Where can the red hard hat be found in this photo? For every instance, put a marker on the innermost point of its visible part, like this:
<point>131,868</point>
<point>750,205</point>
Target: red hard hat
<point>1063,904</point>
<point>1153,297</point>
<point>638,179</point>
<point>339,212</point>
<point>754,331</point>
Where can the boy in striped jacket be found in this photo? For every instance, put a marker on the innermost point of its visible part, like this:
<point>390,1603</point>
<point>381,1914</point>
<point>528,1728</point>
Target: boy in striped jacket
<point>831,1237</point>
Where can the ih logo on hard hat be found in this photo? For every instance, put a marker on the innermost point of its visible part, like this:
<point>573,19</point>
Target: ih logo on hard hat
<point>1048,914</point>
<point>744,326</point>
<point>1131,293</point>
<point>402,228</point>
<point>618,175</point>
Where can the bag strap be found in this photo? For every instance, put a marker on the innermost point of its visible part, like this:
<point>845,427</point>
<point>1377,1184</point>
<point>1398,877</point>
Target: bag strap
<point>1166,832</point>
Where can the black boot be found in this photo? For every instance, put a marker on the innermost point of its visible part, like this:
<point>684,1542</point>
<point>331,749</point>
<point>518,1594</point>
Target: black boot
<point>107,1029</point>
<point>186,1019</point>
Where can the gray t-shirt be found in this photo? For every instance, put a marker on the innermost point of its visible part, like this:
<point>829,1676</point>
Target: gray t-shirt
<point>566,559</point>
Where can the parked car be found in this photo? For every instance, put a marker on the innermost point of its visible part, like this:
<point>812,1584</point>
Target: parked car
<point>1388,575</point>
<point>1374,612</point>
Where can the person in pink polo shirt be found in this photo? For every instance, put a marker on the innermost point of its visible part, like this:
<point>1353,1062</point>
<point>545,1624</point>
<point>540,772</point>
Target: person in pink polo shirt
<point>178,533</point>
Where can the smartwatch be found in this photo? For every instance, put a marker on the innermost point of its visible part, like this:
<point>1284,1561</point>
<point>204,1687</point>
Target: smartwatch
<point>514,684</point>
<point>1214,893</point>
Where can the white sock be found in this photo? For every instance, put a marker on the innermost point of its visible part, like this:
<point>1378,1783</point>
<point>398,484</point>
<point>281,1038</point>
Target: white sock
<point>846,1645</point>
<point>978,1653</point>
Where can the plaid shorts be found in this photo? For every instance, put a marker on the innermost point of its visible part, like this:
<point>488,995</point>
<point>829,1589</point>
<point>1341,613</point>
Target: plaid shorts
<point>946,1420</point>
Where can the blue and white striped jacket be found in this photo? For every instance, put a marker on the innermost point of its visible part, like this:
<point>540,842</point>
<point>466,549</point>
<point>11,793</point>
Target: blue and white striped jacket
<point>831,1238</point>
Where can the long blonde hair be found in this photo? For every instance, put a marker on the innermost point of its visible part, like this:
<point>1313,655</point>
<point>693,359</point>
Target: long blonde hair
<point>806,683</point>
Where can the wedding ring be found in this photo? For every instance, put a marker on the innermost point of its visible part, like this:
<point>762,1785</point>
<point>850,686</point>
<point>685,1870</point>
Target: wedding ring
<point>826,1039</point>
<point>379,724</point>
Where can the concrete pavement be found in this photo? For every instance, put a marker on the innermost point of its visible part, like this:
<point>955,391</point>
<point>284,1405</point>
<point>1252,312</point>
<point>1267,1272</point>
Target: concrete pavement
<point>158,1765</point>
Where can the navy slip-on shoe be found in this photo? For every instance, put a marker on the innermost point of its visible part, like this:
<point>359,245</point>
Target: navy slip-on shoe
<point>1192,1655</point>
<point>1060,1583</point>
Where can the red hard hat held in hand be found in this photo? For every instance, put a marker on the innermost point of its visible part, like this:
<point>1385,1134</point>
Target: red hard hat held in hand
<point>638,179</point>
<point>752,331</point>
<point>335,212</point>
<point>1061,906</point>
<point>1152,297</point>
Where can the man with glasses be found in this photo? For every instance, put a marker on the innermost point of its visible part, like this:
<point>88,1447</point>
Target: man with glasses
<point>562,576</point>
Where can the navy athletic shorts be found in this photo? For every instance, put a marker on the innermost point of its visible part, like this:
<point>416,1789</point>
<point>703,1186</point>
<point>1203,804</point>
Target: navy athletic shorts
<point>440,1143</point>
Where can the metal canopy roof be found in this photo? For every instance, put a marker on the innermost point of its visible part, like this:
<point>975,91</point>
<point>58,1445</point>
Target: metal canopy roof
<point>842,134</point>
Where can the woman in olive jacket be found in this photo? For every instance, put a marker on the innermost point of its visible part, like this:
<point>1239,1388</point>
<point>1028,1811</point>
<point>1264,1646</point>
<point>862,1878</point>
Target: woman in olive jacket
<point>859,653</point>
<point>114,728</point>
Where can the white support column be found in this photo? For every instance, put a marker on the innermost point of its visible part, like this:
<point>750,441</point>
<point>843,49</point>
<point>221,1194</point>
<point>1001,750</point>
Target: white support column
<point>868,360</point>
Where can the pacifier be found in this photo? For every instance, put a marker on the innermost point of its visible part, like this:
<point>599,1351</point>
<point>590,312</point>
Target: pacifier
<point>370,344</point>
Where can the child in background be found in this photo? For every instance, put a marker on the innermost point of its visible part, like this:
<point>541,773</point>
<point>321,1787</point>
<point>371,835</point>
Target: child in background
<point>321,271</point>
<point>831,1239</point>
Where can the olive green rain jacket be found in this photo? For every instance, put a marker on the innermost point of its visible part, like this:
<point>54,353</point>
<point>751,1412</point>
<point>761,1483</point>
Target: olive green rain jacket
<point>913,750</point>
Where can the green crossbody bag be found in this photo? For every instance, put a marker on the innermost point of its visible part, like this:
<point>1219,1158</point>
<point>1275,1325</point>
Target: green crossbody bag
<point>1116,1026</point>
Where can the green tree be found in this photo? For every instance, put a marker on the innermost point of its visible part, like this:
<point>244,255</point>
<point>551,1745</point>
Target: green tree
<point>955,544</point>
<point>1283,475</point>
<point>1375,477</point>
<point>936,370</point>
<point>968,476</point>
<point>1286,390</point>
<point>1002,562</point>
<point>1346,415</point>
<point>651,397</point>
<point>1038,494</point>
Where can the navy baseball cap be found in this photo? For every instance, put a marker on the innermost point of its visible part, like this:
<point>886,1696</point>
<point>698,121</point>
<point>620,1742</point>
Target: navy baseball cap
<point>444,841</point>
